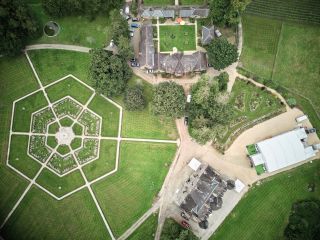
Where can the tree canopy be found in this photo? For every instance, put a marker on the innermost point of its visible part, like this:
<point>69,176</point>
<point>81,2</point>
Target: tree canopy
<point>173,231</point>
<point>109,73</point>
<point>134,99</point>
<point>304,221</point>
<point>227,11</point>
<point>221,53</point>
<point>119,27</point>
<point>169,99</point>
<point>205,111</point>
<point>124,48</point>
<point>18,25</point>
<point>61,8</point>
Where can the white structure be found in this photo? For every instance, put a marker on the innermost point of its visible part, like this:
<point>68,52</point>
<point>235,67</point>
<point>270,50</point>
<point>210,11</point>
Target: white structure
<point>283,150</point>
<point>301,118</point>
<point>194,164</point>
<point>239,186</point>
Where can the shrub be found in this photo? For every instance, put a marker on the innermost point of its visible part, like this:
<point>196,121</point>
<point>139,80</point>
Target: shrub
<point>292,102</point>
<point>134,99</point>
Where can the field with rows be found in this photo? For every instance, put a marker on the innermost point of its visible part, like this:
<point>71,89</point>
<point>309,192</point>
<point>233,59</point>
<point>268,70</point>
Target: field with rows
<point>290,10</point>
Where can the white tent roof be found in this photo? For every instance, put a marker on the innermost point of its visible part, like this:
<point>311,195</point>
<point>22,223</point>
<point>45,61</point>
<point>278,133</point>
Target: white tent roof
<point>238,186</point>
<point>257,159</point>
<point>284,150</point>
<point>194,164</point>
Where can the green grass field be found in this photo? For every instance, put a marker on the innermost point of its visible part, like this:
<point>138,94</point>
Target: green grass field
<point>181,37</point>
<point>60,185</point>
<point>143,124</point>
<point>158,2</point>
<point>39,216</point>
<point>192,2</point>
<point>19,158</point>
<point>69,87</point>
<point>263,212</point>
<point>105,163</point>
<point>77,30</point>
<point>110,115</point>
<point>52,64</point>
<point>147,230</point>
<point>142,169</point>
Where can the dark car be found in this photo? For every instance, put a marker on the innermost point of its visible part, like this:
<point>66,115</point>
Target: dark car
<point>185,224</point>
<point>135,19</point>
<point>135,25</point>
<point>133,60</point>
<point>135,64</point>
<point>186,120</point>
<point>310,130</point>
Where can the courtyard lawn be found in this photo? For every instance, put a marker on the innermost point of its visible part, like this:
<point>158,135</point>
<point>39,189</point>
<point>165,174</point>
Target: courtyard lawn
<point>127,194</point>
<point>69,87</point>
<point>60,186</point>
<point>249,103</point>
<point>263,212</point>
<point>143,124</point>
<point>19,158</point>
<point>192,2</point>
<point>105,163</point>
<point>147,229</point>
<point>181,37</point>
<point>260,43</point>
<point>52,64</point>
<point>110,115</point>
<point>23,110</point>
<point>39,216</point>
<point>158,2</point>
<point>16,80</point>
<point>76,30</point>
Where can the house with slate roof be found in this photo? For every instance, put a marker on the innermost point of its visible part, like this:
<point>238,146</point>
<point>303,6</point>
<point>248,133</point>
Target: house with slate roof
<point>208,34</point>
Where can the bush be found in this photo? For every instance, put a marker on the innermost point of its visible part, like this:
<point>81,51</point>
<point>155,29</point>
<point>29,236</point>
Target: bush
<point>292,102</point>
<point>169,99</point>
<point>221,53</point>
<point>134,99</point>
<point>223,80</point>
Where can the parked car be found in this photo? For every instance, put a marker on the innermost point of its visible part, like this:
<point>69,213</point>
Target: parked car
<point>131,29</point>
<point>310,130</point>
<point>186,120</point>
<point>131,34</point>
<point>135,25</point>
<point>185,224</point>
<point>135,64</point>
<point>133,59</point>
<point>135,19</point>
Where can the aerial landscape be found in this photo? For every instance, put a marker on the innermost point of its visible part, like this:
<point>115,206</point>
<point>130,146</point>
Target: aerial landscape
<point>160,119</point>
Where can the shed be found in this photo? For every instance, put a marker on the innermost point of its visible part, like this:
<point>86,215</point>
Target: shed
<point>194,164</point>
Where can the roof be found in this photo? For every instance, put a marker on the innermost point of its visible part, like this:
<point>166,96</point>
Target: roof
<point>157,12</point>
<point>207,35</point>
<point>179,64</point>
<point>285,150</point>
<point>239,186</point>
<point>194,164</point>
<point>147,50</point>
<point>192,12</point>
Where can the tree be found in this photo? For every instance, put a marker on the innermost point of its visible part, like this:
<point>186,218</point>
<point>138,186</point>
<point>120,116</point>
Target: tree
<point>18,26</point>
<point>119,26</point>
<point>304,221</point>
<point>124,48</point>
<point>223,80</point>
<point>221,53</point>
<point>169,99</point>
<point>228,12</point>
<point>134,99</point>
<point>173,231</point>
<point>109,73</point>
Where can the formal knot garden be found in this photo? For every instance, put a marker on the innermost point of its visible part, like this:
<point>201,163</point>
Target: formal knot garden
<point>65,135</point>
<point>75,147</point>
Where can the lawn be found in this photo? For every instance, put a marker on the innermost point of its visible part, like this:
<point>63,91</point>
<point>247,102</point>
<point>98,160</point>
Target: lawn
<point>16,80</point>
<point>69,87</point>
<point>181,37</point>
<point>75,217</point>
<point>110,115</point>
<point>249,103</point>
<point>158,2</point>
<point>263,212</point>
<point>19,158</point>
<point>52,64</point>
<point>60,186</point>
<point>105,163</point>
<point>192,2</point>
<point>23,110</point>
<point>147,229</point>
<point>143,124</point>
<point>126,195</point>
<point>78,30</point>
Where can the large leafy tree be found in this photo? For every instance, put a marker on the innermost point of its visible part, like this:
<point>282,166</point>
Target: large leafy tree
<point>227,11</point>
<point>134,99</point>
<point>119,26</point>
<point>109,73</point>
<point>221,53</point>
<point>169,99</point>
<point>17,26</point>
<point>124,48</point>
